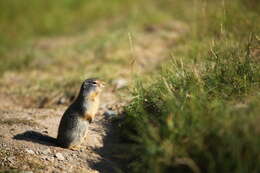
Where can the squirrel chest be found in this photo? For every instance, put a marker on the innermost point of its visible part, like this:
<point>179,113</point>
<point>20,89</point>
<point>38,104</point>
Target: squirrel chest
<point>92,105</point>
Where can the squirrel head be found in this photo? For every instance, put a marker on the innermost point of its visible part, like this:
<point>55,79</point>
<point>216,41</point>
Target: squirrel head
<point>91,85</point>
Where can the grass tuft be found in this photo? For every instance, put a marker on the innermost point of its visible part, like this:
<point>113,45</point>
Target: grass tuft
<point>205,122</point>
<point>199,114</point>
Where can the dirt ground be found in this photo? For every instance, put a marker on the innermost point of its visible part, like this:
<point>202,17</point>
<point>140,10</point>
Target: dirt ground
<point>27,142</point>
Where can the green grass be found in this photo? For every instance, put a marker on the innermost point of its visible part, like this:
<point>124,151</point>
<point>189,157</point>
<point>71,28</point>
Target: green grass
<point>20,20</point>
<point>205,116</point>
<point>24,23</point>
<point>200,113</point>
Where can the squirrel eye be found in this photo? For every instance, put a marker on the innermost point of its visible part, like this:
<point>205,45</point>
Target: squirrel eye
<point>94,82</point>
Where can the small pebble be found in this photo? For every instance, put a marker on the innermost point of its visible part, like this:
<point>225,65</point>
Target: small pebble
<point>44,157</point>
<point>51,159</point>
<point>11,159</point>
<point>29,151</point>
<point>59,156</point>
<point>47,151</point>
<point>110,114</point>
<point>62,100</point>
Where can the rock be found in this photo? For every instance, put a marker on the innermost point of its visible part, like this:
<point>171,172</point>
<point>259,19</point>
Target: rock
<point>72,155</point>
<point>110,114</point>
<point>51,159</point>
<point>44,157</point>
<point>47,151</point>
<point>120,83</point>
<point>61,101</point>
<point>4,145</point>
<point>29,151</point>
<point>11,159</point>
<point>59,156</point>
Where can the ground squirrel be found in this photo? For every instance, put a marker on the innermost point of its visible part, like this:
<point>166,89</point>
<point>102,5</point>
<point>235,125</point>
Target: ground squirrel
<point>75,120</point>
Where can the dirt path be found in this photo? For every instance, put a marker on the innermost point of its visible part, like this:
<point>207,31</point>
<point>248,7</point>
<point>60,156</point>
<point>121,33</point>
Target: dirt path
<point>27,143</point>
<point>27,135</point>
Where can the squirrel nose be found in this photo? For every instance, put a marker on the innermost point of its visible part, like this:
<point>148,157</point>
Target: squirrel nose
<point>101,83</point>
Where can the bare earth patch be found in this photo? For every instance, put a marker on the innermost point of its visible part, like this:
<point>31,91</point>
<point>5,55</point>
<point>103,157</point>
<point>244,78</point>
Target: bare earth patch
<point>27,142</point>
<point>27,139</point>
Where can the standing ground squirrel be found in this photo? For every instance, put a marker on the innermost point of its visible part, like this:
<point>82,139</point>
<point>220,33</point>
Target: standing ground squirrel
<point>75,120</point>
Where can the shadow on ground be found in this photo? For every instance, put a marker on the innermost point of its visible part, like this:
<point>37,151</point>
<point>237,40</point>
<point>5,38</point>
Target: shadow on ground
<point>109,162</point>
<point>36,137</point>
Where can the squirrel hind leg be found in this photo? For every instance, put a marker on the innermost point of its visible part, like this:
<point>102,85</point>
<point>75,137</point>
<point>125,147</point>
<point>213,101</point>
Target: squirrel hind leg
<point>76,145</point>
